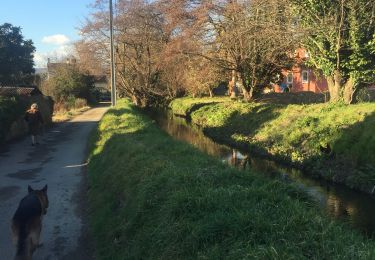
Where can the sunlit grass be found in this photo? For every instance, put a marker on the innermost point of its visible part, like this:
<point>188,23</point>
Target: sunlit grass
<point>184,106</point>
<point>62,116</point>
<point>295,133</point>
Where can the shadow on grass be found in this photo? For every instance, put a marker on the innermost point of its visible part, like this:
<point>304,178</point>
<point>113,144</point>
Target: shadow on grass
<point>353,159</point>
<point>118,112</point>
<point>244,126</point>
<point>292,98</point>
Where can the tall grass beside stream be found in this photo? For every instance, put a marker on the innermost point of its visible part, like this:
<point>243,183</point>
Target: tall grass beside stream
<point>152,197</point>
<point>298,134</point>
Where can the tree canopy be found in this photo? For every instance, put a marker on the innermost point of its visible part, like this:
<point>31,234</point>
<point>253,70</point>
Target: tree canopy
<point>168,48</point>
<point>16,56</point>
<point>340,35</point>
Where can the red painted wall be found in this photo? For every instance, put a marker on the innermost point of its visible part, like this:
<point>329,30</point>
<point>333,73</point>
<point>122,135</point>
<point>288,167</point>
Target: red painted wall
<point>313,83</point>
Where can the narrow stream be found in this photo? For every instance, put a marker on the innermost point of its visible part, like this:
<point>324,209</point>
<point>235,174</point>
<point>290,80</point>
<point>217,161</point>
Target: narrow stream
<point>339,202</point>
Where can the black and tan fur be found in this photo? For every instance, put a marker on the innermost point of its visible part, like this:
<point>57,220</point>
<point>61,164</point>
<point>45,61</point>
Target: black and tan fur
<point>27,222</point>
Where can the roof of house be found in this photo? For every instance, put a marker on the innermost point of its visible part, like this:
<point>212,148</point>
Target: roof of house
<point>19,91</point>
<point>52,67</point>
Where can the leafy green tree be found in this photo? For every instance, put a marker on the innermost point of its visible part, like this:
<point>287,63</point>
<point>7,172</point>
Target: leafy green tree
<point>67,82</point>
<point>16,56</point>
<point>340,39</point>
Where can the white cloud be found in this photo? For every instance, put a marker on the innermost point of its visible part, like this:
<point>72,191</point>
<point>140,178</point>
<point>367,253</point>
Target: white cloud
<point>40,60</point>
<point>56,55</point>
<point>57,39</point>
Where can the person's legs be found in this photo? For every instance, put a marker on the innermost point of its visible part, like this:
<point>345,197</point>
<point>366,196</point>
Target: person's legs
<point>33,139</point>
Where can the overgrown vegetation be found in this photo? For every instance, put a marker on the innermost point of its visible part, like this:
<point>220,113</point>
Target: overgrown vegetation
<point>298,134</point>
<point>67,84</point>
<point>67,110</point>
<point>152,197</point>
<point>11,109</point>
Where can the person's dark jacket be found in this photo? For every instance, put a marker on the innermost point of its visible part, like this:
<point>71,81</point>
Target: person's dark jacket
<point>34,119</point>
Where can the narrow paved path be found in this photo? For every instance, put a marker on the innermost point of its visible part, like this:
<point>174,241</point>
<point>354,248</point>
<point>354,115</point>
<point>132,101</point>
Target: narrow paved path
<point>58,161</point>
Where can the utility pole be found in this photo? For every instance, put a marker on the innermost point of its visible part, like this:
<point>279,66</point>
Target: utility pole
<point>113,72</point>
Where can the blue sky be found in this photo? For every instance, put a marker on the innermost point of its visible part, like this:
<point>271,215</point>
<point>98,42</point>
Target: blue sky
<point>50,24</point>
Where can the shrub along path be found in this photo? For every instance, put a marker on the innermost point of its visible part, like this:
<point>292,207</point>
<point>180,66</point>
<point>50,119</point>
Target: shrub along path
<point>152,197</point>
<point>332,141</point>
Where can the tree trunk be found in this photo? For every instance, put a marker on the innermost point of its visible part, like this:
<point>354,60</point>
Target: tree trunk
<point>334,86</point>
<point>135,100</point>
<point>248,94</point>
<point>349,89</point>
<point>233,90</point>
<point>211,93</point>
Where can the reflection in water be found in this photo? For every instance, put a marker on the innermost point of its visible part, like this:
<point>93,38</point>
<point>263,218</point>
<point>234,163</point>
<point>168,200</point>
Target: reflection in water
<point>339,202</point>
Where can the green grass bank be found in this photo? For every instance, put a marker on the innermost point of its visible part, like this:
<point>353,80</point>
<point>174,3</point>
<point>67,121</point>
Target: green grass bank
<point>295,134</point>
<point>152,197</point>
<point>185,106</point>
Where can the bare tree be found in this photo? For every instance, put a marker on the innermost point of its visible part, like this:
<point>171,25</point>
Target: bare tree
<point>167,48</point>
<point>250,38</point>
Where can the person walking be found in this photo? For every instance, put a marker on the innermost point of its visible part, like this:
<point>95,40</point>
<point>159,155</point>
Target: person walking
<point>34,119</point>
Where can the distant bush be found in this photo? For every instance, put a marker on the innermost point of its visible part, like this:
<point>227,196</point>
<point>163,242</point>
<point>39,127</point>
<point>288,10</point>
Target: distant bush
<point>68,84</point>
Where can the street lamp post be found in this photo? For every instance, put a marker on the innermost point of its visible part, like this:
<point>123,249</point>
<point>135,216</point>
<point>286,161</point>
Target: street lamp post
<point>113,72</point>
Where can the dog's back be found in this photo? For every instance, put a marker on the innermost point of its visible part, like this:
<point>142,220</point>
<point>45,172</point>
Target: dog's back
<point>27,222</point>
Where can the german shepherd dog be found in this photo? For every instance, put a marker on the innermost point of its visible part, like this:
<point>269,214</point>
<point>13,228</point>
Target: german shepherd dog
<point>27,222</point>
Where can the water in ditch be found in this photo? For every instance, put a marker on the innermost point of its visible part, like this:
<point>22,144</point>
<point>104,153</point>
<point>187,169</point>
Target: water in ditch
<point>339,202</point>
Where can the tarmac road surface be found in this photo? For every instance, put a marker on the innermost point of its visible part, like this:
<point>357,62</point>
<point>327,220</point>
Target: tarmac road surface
<point>58,161</point>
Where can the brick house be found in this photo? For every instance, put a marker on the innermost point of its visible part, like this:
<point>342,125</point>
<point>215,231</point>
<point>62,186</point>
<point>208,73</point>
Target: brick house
<point>301,77</point>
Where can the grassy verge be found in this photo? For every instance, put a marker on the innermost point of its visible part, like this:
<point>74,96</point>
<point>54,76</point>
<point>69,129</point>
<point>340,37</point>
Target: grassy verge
<point>67,109</point>
<point>296,133</point>
<point>62,116</point>
<point>152,197</point>
<point>184,106</point>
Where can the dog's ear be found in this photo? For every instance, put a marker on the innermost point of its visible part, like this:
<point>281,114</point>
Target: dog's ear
<point>45,188</point>
<point>30,189</point>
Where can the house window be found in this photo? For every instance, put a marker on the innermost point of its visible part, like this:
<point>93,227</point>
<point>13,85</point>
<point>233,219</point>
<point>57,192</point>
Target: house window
<point>289,78</point>
<point>305,76</point>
